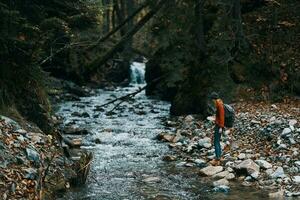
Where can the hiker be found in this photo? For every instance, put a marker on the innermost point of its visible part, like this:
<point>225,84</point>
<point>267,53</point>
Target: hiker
<point>219,127</point>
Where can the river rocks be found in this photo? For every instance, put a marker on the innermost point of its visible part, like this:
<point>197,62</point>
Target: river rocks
<point>33,156</point>
<point>222,174</point>
<point>285,132</point>
<point>279,173</point>
<point>296,179</point>
<point>297,163</point>
<point>221,188</point>
<point>211,170</point>
<point>11,122</point>
<point>221,182</point>
<point>242,156</point>
<point>249,165</point>
<point>230,176</point>
<point>292,122</point>
<point>24,157</point>
<point>263,164</point>
<point>200,162</point>
<point>277,195</point>
<point>205,142</point>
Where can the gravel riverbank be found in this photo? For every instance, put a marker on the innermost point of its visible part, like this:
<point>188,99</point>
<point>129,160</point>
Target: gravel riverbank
<point>264,148</point>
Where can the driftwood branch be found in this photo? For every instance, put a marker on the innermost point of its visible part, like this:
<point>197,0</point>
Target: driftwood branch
<point>130,95</point>
<point>125,97</point>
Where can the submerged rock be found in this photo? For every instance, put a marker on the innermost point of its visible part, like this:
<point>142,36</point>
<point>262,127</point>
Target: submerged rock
<point>221,182</point>
<point>222,188</point>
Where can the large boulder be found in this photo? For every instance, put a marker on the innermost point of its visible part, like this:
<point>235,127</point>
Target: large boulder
<point>248,166</point>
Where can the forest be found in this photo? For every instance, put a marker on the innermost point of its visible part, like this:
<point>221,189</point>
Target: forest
<point>85,86</point>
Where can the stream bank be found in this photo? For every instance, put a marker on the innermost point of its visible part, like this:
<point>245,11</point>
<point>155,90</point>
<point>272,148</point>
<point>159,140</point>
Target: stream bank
<point>129,162</point>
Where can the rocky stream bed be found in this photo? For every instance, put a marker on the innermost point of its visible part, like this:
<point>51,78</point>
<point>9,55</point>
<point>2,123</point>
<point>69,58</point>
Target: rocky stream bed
<point>132,162</point>
<point>141,152</point>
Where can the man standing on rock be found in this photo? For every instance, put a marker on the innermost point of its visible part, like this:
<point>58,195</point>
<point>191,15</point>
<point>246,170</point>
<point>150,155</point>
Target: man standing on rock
<point>219,126</point>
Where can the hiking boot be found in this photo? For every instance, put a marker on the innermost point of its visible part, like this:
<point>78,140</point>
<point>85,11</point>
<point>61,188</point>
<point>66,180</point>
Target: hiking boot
<point>215,162</point>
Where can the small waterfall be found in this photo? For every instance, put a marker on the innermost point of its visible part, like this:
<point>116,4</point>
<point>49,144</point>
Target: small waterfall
<point>137,73</point>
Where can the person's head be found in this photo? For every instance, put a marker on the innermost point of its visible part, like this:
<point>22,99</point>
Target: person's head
<point>214,96</point>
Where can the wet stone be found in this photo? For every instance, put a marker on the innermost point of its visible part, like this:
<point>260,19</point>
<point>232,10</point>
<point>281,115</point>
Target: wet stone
<point>221,174</point>
<point>222,188</point>
<point>220,182</point>
<point>211,170</point>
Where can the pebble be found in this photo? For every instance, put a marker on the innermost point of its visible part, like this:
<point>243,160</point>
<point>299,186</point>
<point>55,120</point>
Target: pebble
<point>242,156</point>
<point>297,163</point>
<point>285,132</point>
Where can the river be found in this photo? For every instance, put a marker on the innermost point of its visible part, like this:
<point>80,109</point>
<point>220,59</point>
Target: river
<point>128,160</point>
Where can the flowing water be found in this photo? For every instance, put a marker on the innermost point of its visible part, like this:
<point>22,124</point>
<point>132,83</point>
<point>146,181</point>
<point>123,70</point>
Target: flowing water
<point>128,161</point>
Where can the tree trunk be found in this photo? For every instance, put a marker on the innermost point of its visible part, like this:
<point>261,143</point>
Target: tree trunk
<point>128,45</point>
<point>199,13</point>
<point>237,25</point>
<point>119,27</point>
<point>103,59</point>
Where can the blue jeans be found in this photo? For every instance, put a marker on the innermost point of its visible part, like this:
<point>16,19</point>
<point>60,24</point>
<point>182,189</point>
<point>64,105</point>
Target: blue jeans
<point>217,138</point>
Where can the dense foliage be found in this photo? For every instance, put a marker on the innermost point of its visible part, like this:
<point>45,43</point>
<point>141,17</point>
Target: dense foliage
<point>239,48</point>
<point>32,37</point>
<point>236,48</point>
